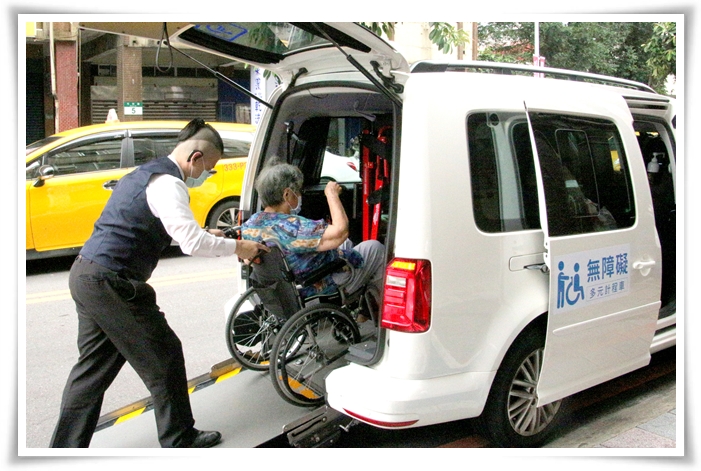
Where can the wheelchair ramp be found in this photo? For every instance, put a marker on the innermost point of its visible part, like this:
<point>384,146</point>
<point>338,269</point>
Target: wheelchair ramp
<point>314,345</point>
<point>241,404</point>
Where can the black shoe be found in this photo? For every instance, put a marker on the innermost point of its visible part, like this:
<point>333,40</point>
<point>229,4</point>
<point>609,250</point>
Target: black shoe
<point>205,439</point>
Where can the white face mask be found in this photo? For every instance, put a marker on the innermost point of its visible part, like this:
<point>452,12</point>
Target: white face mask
<point>195,182</point>
<point>298,208</point>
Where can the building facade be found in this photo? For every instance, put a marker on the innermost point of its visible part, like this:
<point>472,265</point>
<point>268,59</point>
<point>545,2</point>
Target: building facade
<point>75,76</point>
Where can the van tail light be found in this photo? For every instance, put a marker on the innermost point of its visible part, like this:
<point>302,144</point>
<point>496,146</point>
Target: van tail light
<point>407,299</point>
<point>352,166</point>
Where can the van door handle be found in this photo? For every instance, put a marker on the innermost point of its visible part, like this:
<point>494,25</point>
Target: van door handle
<point>538,266</point>
<point>644,267</point>
<point>110,184</point>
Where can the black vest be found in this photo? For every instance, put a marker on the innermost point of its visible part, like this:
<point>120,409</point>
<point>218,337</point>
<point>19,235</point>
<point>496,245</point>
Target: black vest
<point>127,237</point>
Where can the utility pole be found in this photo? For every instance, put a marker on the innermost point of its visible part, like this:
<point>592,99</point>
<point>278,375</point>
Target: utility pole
<point>538,60</point>
<point>461,47</point>
<point>474,40</point>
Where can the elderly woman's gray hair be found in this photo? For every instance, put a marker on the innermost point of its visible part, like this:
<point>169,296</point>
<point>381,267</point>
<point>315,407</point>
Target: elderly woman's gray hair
<point>275,177</point>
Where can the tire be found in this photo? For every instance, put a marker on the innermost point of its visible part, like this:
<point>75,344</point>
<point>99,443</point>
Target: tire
<point>224,215</point>
<point>510,418</point>
<point>250,332</point>
<point>308,347</point>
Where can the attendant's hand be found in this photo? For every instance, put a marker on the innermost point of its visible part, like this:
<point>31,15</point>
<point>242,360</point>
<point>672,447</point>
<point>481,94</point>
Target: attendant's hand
<point>248,249</point>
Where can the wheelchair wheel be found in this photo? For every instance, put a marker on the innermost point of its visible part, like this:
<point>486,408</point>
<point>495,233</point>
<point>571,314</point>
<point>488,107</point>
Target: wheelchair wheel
<point>308,347</point>
<point>250,332</point>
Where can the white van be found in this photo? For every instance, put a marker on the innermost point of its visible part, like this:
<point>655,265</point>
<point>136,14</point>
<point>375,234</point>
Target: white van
<point>528,215</point>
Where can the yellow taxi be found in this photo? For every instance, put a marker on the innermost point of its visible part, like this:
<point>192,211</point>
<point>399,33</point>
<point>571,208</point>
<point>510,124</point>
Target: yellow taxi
<point>70,176</point>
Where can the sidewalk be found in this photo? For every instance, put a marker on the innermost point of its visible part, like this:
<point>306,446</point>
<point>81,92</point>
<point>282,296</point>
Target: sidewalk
<point>660,432</point>
<point>637,417</point>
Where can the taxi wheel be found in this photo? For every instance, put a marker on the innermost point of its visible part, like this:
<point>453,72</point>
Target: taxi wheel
<point>511,417</point>
<point>224,215</point>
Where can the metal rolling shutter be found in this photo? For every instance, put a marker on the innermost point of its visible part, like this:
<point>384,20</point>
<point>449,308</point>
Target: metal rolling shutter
<point>160,103</point>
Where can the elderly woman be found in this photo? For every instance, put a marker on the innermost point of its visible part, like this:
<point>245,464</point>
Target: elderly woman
<point>309,244</point>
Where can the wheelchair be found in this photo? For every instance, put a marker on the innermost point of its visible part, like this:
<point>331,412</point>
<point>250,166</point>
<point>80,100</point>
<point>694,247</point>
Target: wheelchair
<point>298,340</point>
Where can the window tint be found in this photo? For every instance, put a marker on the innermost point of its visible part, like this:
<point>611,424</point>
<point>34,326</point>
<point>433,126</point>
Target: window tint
<point>41,143</point>
<point>504,194</point>
<point>585,174</point>
<point>148,148</point>
<point>238,146</point>
<point>88,157</point>
<point>587,186</point>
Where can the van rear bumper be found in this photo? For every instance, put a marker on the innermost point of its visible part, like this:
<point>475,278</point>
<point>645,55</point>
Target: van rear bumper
<point>371,396</point>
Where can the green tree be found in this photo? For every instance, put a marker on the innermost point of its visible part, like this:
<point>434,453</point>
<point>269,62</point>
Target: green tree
<point>506,42</point>
<point>444,35</point>
<point>662,50</point>
<point>625,50</point>
<point>379,28</point>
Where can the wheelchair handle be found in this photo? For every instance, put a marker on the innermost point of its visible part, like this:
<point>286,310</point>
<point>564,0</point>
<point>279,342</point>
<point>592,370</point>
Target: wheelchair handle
<point>232,232</point>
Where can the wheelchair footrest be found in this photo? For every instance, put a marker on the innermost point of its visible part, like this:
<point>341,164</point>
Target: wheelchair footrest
<point>320,428</point>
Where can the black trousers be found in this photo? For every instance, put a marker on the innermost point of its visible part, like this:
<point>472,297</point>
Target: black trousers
<point>118,321</point>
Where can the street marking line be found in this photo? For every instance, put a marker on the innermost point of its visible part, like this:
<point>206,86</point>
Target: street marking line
<point>61,295</point>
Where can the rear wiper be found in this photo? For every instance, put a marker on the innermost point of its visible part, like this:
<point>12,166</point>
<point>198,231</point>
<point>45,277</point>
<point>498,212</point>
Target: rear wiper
<point>387,86</point>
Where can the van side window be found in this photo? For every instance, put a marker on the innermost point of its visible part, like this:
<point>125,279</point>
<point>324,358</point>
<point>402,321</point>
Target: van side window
<point>504,190</point>
<point>585,174</point>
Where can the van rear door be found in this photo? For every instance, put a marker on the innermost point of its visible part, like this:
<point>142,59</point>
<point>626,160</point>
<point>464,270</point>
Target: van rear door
<point>602,250</point>
<point>293,51</point>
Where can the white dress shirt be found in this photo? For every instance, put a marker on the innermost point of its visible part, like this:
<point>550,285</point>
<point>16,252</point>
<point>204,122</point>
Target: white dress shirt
<point>169,201</point>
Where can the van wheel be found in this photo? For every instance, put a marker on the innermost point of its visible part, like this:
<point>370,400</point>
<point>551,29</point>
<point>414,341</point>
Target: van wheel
<point>510,417</point>
<point>224,215</point>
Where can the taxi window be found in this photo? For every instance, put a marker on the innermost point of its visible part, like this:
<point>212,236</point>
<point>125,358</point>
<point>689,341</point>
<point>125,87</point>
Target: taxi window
<point>40,143</point>
<point>237,145</point>
<point>151,147</point>
<point>148,147</point>
<point>87,157</point>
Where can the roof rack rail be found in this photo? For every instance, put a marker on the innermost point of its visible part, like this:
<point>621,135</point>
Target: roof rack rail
<point>523,69</point>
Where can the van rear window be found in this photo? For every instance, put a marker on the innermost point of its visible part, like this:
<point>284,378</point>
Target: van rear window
<point>266,42</point>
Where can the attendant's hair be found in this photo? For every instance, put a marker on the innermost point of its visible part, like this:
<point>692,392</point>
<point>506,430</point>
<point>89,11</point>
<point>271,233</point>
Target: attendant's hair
<point>201,130</point>
<point>274,178</point>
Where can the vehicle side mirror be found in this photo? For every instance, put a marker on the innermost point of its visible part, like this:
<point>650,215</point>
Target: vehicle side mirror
<point>45,172</point>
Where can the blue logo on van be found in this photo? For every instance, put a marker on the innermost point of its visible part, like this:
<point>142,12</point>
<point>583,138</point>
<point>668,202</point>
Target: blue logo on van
<point>587,277</point>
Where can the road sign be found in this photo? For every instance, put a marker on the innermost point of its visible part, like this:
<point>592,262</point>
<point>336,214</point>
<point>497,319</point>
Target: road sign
<point>133,108</point>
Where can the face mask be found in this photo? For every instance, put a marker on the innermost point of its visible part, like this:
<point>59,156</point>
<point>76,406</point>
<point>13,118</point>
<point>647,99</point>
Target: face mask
<point>195,182</point>
<point>297,209</point>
